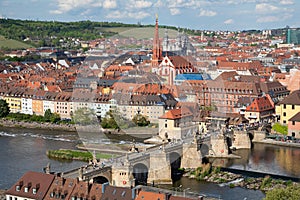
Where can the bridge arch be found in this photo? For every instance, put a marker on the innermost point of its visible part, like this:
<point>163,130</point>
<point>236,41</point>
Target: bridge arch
<point>140,173</point>
<point>100,179</point>
<point>175,163</point>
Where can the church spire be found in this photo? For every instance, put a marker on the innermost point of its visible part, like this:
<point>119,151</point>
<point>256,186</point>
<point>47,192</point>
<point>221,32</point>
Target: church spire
<point>157,50</point>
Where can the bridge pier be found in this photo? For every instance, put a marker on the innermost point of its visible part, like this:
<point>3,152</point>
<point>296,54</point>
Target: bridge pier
<point>160,168</point>
<point>191,156</point>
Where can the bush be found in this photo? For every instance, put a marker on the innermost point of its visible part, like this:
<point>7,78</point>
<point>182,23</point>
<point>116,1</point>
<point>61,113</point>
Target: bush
<point>291,193</point>
<point>280,128</point>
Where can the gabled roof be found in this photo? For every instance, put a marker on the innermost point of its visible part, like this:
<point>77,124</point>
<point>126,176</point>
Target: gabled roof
<point>177,113</point>
<point>33,181</point>
<point>295,117</point>
<point>261,104</point>
<point>292,99</point>
<point>116,193</point>
<point>62,187</point>
<point>144,195</point>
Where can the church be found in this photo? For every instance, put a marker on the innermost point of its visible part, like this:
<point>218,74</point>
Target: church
<point>168,66</point>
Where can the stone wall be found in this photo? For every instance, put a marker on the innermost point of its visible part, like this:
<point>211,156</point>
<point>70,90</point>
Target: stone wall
<point>241,140</point>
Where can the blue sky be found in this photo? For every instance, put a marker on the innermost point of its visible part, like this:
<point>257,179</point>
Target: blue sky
<point>195,14</point>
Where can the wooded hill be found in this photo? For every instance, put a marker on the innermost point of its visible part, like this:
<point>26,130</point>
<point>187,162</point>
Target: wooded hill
<point>48,33</point>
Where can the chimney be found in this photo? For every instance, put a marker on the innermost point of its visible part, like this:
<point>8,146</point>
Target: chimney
<point>167,196</point>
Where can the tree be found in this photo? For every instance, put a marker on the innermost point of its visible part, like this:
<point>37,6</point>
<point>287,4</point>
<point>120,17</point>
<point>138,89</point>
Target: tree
<point>140,120</point>
<point>47,115</point>
<point>55,117</point>
<point>84,116</point>
<point>290,193</point>
<point>4,108</point>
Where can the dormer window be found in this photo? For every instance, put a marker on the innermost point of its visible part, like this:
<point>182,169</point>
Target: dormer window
<point>18,188</point>
<point>26,189</point>
<point>33,190</point>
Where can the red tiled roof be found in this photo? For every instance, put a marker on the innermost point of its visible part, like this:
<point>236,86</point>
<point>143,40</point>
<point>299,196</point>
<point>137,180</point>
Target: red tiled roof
<point>144,195</point>
<point>177,113</point>
<point>261,104</point>
<point>32,181</point>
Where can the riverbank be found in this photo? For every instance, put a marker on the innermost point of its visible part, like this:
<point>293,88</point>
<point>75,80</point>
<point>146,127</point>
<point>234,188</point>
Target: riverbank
<point>279,143</point>
<point>36,125</point>
<point>223,178</point>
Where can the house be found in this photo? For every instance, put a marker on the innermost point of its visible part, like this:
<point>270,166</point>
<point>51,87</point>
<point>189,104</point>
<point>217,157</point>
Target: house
<point>288,107</point>
<point>61,188</point>
<point>177,124</point>
<point>294,126</point>
<point>260,110</point>
<point>32,185</point>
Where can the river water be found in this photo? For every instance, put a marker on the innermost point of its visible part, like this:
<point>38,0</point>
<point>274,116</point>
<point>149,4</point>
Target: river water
<point>24,150</point>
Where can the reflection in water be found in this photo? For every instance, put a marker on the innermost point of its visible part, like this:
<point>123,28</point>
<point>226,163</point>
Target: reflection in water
<point>269,159</point>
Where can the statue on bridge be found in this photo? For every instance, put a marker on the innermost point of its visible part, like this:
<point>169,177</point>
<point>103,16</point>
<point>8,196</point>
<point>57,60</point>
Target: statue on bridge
<point>133,148</point>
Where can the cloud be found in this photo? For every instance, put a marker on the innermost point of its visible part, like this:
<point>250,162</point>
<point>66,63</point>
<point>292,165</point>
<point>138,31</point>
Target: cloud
<point>174,11</point>
<point>266,8</point>
<point>272,18</point>
<point>184,3</point>
<point>158,4</point>
<point>125,14</point>
<point>229,21</point>
<point>68,5</point>
<point>207,13</point>
<point>140,4</point>
<point>109,4</point>
<point>286,2</point>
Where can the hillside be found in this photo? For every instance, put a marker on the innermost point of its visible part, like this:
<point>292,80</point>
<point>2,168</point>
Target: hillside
<point>50,33</point>
<point>12,44</point>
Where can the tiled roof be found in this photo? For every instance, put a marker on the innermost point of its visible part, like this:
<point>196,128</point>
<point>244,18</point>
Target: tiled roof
<point>117,193</point>
<point>32,185</point>
<point>292,99</point>
<point>144,195</point>
<point>60,187</point>
<point>177,113</point>
<point>261,104</point>
<point>295,117</point>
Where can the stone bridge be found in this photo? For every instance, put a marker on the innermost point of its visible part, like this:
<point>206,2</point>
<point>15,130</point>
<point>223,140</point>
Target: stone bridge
<point>159,164</point>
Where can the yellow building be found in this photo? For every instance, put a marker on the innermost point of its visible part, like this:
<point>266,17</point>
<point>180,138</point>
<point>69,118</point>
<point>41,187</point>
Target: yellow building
<point>38,106</point>
<point>14,103</point>
<point>288,107</point>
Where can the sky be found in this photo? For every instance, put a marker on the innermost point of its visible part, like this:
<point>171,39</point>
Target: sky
<point>223,15</point>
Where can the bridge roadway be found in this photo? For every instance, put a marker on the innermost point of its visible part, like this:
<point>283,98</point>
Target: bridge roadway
<point>91,170</point>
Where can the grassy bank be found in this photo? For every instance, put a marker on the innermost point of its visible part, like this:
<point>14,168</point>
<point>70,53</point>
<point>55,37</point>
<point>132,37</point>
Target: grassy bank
<point>66,154</point>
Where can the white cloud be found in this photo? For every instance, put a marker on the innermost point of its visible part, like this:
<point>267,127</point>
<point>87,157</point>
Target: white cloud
<point>266,8</point>
<point>207,13</point>
<point>125,14</point>
<point>109,4</point>
<point>184,3</point>
<point>266,19</point>
<point>286,2</point>
<point>158,4</point>
<point>229,21</point>
<point>272,18</point>
<point>68,5</point>
<point>139,4</point>
<point>174,11</point>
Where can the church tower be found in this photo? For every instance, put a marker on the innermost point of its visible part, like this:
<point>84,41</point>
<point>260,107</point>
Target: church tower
<point>157,49</point>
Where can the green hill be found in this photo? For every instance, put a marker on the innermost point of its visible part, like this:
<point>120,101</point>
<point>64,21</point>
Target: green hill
<point>147,32</point>
<point>12,44</point>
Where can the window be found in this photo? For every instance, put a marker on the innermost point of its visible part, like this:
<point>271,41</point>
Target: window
<point>293,134</point>
<point>284,106</point>
<point>284,114</point>
<point>293,122</point>
<point>293,107</point>
<point>284,121</point>
<point>166,125</point>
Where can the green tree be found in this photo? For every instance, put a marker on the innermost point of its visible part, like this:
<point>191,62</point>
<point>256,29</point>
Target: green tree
<point>4,108</point>
<point>84,116</point>
<point>47,115</point>
<point>289,193</point>
<point>140,120</point>
<point>55,117</point>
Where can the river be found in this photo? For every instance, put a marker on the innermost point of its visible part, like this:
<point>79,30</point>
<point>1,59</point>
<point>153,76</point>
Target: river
<point>25,149</point>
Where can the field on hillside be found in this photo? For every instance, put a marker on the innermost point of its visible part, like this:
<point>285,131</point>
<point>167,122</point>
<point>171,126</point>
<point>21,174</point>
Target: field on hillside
<point>140,33</point>
<point>12,44</point>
